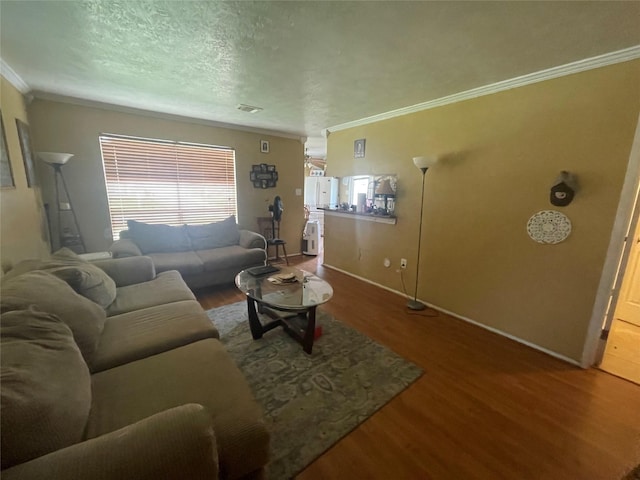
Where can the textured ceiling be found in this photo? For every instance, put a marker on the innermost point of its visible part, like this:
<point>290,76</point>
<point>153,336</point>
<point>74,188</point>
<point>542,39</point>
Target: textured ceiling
<point>310,64</point>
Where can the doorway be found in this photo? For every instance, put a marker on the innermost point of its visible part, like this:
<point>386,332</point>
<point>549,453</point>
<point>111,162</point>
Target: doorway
<point>621,355</point>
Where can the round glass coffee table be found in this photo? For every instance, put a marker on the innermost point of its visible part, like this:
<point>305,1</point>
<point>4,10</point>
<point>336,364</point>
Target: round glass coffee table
<point>291,305</point>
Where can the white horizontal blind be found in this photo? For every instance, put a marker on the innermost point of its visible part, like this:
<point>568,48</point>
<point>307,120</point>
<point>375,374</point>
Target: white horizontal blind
<point>166,182</point>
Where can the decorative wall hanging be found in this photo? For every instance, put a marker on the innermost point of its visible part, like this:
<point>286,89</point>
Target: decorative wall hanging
<point>263,176</point>
<point>264,146</point>
<point>27,156</point>
<point>358,148</point>
<point>6,174</point>
<point>549,226</point>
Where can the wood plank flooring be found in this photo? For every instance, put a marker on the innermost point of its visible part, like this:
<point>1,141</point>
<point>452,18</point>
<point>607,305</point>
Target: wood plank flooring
<point>485,408</point>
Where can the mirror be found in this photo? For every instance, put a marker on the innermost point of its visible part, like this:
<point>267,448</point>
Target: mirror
<point>368,194</point>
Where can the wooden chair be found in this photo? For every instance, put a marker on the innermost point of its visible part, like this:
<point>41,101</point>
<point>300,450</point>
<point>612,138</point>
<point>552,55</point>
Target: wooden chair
<point>270,229</point>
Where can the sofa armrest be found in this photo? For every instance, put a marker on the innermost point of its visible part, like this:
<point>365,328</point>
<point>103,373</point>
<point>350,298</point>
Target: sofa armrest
<point>128,271</point>
<point>175,444</point>
<point>249,239</point>
<point>124,247</point>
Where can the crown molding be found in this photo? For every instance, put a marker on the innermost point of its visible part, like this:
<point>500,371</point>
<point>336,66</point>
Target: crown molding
<point>599,61</point>
<point>54,97</point>
<point>13,78</point>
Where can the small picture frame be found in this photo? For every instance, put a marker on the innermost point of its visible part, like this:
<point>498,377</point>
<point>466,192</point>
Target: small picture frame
<point>27,154</point>
<point>264,146</point>
<point>6,173</point>
<point>358,148</point>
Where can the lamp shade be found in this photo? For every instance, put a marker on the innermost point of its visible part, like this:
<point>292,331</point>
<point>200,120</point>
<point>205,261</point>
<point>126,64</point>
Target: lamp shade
<point>54,158</point>
<point>384,188</point>
<point>424,162</point>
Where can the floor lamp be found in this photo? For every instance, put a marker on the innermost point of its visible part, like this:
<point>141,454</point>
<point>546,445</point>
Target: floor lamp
<point>56,161</point>
<point>423,163</point>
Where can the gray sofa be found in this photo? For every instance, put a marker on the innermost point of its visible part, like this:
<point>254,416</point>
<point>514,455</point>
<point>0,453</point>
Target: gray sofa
<point>205,255</point>
<point>112,371</point>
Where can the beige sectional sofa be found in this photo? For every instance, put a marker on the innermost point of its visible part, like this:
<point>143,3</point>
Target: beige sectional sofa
<point>135,385</point>
<point>205,255</point>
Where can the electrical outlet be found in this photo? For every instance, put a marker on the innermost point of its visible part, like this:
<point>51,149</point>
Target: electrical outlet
<point>403,263</point>
<point>387,262</point>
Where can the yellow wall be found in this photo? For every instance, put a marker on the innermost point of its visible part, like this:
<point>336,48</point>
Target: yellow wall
<point>23,227</point>
<point>63,127</point>
<point>500,155</point>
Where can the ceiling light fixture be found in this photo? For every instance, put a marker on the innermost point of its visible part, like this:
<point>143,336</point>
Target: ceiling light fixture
<point>249,108</point>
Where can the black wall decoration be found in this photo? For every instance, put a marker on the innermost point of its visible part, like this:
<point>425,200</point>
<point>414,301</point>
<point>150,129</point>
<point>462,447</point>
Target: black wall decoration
<point>263,176</point>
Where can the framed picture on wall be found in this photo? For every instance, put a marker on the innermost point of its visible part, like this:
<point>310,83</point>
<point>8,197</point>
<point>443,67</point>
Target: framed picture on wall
<point>264,146</point>
<point>27,152</point>
<point>6,173</point>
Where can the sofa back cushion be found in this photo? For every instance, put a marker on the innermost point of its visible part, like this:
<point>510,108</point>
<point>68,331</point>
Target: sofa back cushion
<point>214,235</point>
<point>48,293</point>
<point>85,278</point>
<point>46,387</point>
<point>152,238</point>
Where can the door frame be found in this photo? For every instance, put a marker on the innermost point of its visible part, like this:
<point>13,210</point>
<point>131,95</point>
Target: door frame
<point>616,260</point>
<point>630,239</point>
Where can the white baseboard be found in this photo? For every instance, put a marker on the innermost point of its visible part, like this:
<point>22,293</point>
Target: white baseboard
<point>466,319</point>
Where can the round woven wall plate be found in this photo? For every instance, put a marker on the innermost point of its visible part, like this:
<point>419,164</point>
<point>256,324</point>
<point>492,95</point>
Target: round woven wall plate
<point>549,226</point>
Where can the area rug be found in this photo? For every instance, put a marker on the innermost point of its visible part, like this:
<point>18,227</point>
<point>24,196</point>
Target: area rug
<point>311,401</point>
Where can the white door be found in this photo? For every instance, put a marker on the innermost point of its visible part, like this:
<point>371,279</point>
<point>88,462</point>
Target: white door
<point>622,352</point>
<point>628,308</point>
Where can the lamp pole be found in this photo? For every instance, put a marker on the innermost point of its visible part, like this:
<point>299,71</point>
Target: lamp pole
<point>56,161</point>
<point>423,163</point>
<point>415,304</point>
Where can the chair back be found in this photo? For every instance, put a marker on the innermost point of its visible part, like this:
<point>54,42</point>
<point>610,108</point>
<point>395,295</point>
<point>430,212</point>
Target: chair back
<point>275,228</point>
<point>269,228</point>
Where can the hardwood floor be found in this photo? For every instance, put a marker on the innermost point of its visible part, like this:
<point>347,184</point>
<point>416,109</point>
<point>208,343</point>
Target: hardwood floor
<point>485,408</point>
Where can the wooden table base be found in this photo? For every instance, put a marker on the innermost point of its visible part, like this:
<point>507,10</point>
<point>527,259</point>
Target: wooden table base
<point>301,326</point>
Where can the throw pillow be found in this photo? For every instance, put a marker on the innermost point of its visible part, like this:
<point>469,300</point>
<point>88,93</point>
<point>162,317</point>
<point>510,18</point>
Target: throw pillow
<point>46,387</point>
<point>48,293</point>
<point>214,235</point>
<point>85,278</point>
<point>159,238</point>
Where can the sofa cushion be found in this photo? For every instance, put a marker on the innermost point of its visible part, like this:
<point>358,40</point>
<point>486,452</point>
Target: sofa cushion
<point>84,277</point>
<point>214,235</point>
<point>46,388</point>
<point>234,256</point>
<point>167,287</point>
<point>187,263</point>
<point>158,237</point>
<point>201,372</point>
<point>50,294</point>
<point>93,282</point>
<point>135,335</point>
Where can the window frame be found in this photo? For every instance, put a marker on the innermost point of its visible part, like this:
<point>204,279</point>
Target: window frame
<point>141,173</point>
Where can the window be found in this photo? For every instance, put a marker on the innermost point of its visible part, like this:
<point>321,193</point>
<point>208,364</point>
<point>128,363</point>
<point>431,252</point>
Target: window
<point>359,185</point>
<point>157,181</point>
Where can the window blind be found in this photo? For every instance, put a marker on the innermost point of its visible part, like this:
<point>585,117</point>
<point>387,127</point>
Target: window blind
<point>154,181</point>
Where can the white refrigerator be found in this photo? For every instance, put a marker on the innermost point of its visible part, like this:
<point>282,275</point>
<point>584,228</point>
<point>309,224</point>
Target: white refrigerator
<point>320,192</point>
